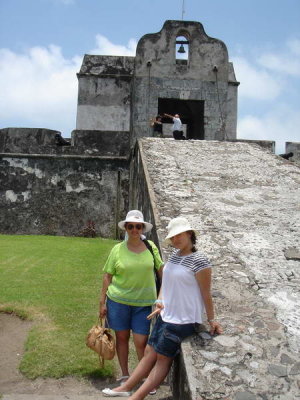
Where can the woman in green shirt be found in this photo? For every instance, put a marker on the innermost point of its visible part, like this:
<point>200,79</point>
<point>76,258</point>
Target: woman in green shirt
<point>129,288</point>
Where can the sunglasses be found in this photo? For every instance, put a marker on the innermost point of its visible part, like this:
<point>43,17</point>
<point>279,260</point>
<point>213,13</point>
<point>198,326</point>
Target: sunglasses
<point>132,226</point>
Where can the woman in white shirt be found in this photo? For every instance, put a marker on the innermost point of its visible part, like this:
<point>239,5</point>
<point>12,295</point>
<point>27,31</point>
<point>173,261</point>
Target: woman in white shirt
<point>184,296</point>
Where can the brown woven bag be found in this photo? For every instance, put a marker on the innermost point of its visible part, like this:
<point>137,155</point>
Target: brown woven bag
<point>101,340</point>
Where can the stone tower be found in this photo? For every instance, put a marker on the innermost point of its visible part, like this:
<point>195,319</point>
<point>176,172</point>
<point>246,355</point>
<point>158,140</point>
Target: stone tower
<point>121,94</point>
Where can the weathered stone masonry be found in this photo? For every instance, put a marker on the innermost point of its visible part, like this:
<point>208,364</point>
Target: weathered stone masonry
<point>123,93</point>
<point>56,191</point>
<point>88,180</point>
<point>245,203</point>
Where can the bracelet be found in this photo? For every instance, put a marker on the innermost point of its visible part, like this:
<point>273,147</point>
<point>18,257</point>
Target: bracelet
<point>158,301</point>
<point>211,320</point>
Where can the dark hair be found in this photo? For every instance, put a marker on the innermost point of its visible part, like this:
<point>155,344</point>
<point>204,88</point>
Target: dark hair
<point>193,239</point>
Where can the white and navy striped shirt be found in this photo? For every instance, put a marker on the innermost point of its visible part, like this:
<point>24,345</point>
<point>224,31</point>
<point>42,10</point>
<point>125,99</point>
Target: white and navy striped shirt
<point>181,294</point>
<point>195,261</point>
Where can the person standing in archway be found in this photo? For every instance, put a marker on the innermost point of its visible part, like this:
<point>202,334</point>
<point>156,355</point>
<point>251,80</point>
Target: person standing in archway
<point>157,126</point>
<point>177,126</point>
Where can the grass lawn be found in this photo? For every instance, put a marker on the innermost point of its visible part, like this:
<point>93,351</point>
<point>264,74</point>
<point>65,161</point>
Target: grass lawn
<point>55,281</point>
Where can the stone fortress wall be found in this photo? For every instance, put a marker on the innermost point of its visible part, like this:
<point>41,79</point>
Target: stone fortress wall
<point>51,189</point>
<point>55,190</point>
<point>244,201</point>
<point>124,93</point>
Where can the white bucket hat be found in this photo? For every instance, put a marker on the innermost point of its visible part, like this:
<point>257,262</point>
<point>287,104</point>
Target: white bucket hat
<point>176,226</point>
<point>137,217</point>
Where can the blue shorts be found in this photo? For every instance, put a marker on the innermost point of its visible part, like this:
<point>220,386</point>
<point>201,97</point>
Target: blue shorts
<point>166,338</point>
<point>122,317</point>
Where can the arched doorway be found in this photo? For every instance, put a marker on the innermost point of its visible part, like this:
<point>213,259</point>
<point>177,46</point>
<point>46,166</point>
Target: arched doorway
<point>191,113</point>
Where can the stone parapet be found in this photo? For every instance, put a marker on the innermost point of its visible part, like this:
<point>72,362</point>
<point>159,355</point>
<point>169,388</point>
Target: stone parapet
<point>245,203</point>
<point>265,144</point>
<point>47,141</point>
<point>27,140</point>
<point>293,147</point>
<point>99,65</point>
<point>44,194</point>
<point>99,142</point>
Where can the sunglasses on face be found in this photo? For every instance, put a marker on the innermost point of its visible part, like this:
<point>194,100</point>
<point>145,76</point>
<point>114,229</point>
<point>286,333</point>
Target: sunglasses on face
<point>132,226</point>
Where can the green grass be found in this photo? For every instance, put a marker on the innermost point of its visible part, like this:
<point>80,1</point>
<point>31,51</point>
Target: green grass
<point>54,281</point>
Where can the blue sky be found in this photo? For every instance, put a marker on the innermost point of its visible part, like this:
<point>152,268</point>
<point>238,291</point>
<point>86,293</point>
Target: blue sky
<point>42,43</point>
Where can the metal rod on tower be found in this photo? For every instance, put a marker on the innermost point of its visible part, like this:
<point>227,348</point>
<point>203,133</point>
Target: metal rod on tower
<point>183,11</point>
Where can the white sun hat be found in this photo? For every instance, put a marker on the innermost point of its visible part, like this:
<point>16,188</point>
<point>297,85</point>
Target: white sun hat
<point>176,226</point>
<point>137,217</point>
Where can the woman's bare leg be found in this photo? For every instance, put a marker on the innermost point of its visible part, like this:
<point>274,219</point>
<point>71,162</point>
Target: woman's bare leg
<point>141,371</point>
<point>122,347</point>
<point>140,342</point>
<point>155,378</point>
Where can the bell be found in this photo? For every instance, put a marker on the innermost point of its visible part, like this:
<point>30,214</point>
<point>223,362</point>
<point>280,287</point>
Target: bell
<point>181,49</point>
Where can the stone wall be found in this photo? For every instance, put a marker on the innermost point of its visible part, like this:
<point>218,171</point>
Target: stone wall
<point>142,196</point>
<point>206,76</point>
<point>28,140</point>
<point>58,195</point>
<point>82,142</point>
<point>107,143</point>
<point>245,202</point>
<point>265,144</point>
<point>293,147</point>
<point>56,190</point>
<point>104,93</point>
<point>117,93</point>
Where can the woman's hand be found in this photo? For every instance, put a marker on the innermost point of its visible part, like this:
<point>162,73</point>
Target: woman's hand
<point>215,328</point>
<point>102,311</point>
<point>158,308</point>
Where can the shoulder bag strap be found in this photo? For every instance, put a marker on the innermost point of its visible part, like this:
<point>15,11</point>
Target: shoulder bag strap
<point>149,247</point>
<point>157,278</point>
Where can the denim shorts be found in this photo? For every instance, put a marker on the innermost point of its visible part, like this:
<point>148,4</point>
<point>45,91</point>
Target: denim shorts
<point>122,317</point>
<point>166,338</point>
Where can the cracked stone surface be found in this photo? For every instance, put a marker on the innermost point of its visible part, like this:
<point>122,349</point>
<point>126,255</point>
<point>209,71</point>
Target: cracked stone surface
<point>244,201</point>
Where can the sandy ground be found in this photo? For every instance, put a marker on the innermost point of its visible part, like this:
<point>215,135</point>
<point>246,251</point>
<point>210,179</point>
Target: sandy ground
<point>13,333</point>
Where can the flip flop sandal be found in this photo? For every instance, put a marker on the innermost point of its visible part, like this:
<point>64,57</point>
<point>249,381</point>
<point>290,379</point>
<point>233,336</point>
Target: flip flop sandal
<point>122,378</point>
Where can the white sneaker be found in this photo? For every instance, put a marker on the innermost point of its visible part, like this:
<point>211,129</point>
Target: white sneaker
<point>112,393</point>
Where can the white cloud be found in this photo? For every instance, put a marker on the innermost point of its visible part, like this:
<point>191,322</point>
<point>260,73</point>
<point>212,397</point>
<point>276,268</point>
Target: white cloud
<point>38,87</point>
<point>256,83</point>
<point>280,64</point>
<point>105,47</point>
<point>264,75</point>
<point>271,79</point>
<point>280,124</point>
<point>286,62</point>
<point>294,46</point>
